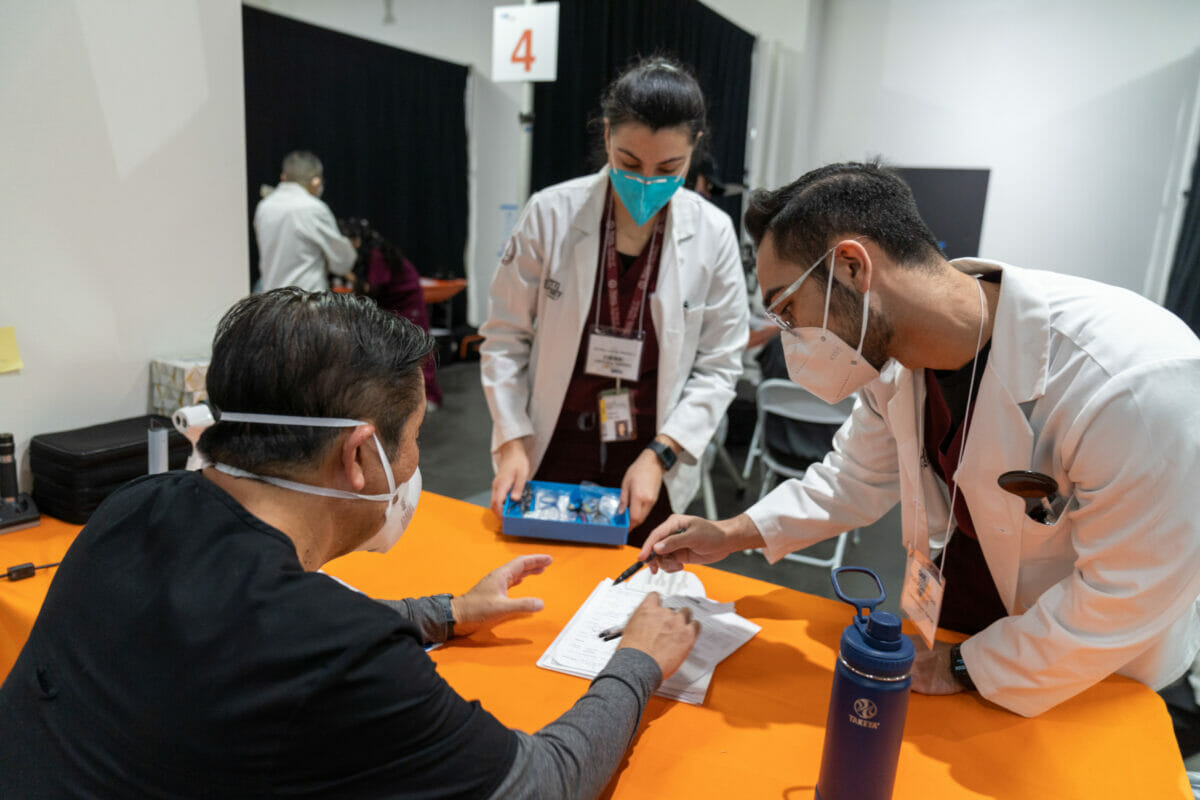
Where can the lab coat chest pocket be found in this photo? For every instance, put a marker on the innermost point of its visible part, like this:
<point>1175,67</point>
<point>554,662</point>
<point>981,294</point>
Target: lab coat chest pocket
<point>1047,553</point>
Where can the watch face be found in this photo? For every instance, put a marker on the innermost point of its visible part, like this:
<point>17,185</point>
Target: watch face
<point>666,455</point>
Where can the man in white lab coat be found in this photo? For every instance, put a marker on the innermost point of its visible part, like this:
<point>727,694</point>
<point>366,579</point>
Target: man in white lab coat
<point>298,237</point>
<point>966,371</point>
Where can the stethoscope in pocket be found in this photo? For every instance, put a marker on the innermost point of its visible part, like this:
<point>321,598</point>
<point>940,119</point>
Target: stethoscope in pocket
<point>1043,503</point>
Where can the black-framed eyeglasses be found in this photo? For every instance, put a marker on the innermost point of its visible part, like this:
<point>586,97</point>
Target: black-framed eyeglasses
<point>772,311</point>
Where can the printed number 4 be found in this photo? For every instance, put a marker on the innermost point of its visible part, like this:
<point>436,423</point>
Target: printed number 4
<point>526,40</point>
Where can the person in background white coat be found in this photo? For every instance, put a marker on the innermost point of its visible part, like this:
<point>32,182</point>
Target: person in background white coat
<point>298,238</point>
<point>670,261</point>
<point>966,371</point>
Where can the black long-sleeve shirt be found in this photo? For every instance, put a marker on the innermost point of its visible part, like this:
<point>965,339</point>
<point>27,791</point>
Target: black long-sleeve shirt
<point>182,651</point>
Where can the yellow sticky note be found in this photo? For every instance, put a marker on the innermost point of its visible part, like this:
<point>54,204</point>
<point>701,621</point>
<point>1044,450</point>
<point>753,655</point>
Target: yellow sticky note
<point>10,356</point>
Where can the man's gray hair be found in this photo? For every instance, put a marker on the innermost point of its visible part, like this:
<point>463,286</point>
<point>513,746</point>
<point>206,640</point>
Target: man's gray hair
<point>302,166</point>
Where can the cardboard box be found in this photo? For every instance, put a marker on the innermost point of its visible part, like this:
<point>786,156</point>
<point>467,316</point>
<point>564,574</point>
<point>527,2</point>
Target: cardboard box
<point>177,382</point>
<point>515,524</point>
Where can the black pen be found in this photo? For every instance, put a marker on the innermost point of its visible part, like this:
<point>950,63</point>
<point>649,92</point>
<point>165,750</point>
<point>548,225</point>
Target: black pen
<point>627,574</point>
<point>608,634</point>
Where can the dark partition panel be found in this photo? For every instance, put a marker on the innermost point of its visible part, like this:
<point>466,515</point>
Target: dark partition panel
<point>951,202</point>
<point>597,39</point>
<point>389,126</point>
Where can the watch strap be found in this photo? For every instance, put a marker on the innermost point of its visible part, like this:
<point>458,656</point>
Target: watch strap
<point>443,601</point>
<point>958,668</point>
<point>666,456</point>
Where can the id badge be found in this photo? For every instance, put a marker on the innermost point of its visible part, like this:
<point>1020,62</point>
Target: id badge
<point>612,355</point>
<point>616,416</point>
<point>921,597</point>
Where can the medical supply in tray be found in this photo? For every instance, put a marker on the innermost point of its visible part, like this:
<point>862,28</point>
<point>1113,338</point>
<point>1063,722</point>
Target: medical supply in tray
<point>577,513</point>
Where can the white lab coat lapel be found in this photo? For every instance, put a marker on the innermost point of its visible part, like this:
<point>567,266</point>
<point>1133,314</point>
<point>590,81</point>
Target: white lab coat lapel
<point>585,256</point>
<point>1000,437</point>
<point>577,278</point>
<point>905,411</point>
<point>666,306</point>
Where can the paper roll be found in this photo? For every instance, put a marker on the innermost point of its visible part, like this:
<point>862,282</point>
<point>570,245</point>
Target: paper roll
<point>156,452</point>
<point>192,420</point>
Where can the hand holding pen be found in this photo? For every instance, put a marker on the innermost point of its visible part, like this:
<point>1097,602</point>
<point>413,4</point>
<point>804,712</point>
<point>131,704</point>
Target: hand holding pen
<point>608,634</point>
<point>662,633</point>
<point>693,540</point>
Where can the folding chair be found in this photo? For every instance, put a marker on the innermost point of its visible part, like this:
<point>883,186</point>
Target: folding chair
<point>782,398</point>
<point>715,451</point>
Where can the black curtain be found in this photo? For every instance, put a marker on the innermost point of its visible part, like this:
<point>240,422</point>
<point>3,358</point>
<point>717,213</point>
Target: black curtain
<point>597,40</point>
<point>1183,286</point>
<point>389,126</point>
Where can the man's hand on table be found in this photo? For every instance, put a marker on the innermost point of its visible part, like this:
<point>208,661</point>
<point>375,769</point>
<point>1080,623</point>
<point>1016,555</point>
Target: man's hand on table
<point>694,540</point>
<point>488,602</point>
<point>662,633</point>
<point>931,669</point>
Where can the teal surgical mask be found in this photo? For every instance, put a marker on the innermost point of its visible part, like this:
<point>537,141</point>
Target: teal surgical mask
<point>642,196</point>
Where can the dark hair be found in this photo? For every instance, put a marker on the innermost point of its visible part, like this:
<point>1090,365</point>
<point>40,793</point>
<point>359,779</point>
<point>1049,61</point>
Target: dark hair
<point>370,240</point>
<point>658,92</point>
<point>312,354</point>
<point>805,216</point>
<point>301,166</point>
<point>704,164</point>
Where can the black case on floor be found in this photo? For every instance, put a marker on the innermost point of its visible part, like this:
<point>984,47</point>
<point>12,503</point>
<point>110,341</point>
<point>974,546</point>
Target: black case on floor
<point>73,471</point>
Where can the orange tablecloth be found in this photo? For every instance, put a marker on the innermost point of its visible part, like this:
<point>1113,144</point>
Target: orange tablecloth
<point>438,290</point>
<point>760,731</point>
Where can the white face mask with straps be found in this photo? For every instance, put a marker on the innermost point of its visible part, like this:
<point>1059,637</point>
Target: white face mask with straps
<point>401,500</point>
<point>820,360</point>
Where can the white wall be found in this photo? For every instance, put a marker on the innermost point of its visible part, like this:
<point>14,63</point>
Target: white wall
<point>783,21</point>
<point>460,32</point>
<point>1083,110</point>
<point>122,207</point>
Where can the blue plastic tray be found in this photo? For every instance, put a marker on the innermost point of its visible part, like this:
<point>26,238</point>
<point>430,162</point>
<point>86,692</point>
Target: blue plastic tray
<point>514,524</point>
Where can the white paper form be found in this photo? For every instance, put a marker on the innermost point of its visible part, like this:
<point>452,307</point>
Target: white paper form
<point>579,650</point>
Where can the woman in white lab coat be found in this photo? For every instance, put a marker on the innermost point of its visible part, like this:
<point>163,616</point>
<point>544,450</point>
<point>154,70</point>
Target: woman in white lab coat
<point>644,275</point>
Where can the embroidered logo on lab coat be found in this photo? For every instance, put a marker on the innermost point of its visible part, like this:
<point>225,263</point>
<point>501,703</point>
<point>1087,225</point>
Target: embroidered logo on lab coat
<point>553,288</point>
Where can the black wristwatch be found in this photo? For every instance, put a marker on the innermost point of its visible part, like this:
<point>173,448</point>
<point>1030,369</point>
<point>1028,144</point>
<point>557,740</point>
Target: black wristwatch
<point>443,601</point>
<point>666,456</point>
<point>958,668</point>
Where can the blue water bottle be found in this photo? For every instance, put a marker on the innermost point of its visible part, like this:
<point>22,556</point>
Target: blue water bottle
<point>867,704</point>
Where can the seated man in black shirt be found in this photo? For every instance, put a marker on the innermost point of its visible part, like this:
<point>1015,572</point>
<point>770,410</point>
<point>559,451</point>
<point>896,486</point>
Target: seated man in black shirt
<point>188,646</point>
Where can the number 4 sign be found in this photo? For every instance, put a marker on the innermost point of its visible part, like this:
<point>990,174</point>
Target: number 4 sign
<point>525,42</point>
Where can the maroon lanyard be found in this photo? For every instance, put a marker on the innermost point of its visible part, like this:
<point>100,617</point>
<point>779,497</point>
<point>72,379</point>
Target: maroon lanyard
<point>637,306</point>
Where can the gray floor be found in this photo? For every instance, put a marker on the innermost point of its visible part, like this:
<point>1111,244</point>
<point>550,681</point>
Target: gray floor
<point>455,462</point>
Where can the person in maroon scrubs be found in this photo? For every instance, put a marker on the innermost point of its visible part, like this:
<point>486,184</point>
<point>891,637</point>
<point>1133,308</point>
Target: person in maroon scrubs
<point>618,314</point>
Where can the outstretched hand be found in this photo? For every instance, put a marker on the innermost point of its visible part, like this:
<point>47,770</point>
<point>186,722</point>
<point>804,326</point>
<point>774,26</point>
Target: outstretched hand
<point>682,539</point>
<point>488,602</point>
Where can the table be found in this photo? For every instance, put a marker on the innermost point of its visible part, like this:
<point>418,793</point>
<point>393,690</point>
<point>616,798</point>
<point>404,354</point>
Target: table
<point>439,292</point>
<point>761,729</point>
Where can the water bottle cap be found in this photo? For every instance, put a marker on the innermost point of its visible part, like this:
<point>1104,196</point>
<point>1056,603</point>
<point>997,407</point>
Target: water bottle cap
<point>889,656</point>
<point>873,642</point>
<point>884,627</point>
